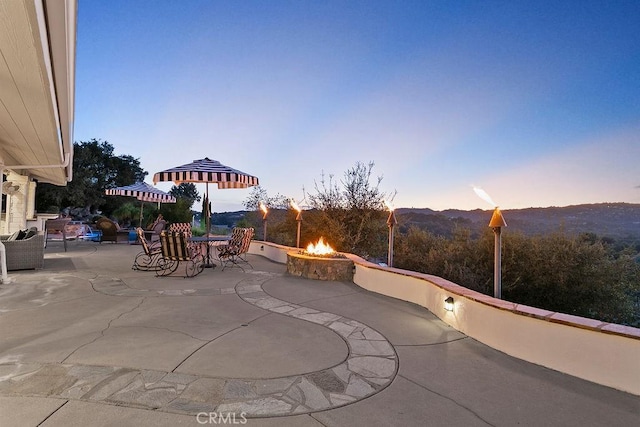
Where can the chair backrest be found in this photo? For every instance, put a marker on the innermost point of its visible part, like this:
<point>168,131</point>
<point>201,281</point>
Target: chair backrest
<point>107,226</point>
<point>174,246</point>
<point>180,227</point>
<point>159,226</point>
<point>57,224</point>
<point>246,240</point>
<point>236,237</point>
<point>143,241</point>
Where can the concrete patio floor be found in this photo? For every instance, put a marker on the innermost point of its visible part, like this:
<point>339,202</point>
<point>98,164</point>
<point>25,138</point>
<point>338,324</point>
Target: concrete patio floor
<point>89,341</point>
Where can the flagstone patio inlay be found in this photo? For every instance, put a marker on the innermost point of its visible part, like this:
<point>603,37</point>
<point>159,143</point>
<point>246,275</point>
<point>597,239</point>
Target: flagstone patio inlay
<point>370,366</point>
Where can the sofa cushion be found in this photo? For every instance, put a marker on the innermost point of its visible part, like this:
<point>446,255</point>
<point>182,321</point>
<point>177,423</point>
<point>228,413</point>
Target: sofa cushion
<point>30,233</point>
<point>13,236</point>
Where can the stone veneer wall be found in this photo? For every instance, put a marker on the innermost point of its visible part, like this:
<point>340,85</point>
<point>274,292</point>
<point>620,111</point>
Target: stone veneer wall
<point>318,268</point>
<point>600,352</point>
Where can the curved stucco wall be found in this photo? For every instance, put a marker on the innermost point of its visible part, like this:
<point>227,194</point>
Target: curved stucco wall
<point>600,352</point>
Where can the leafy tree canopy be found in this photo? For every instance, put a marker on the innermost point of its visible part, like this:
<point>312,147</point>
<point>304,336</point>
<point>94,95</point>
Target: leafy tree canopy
<point>177,212</point>
<point>95,169</point>
<point>579,275</point>
<point>259,194</point>
<point>186,190</point>
<point>356,191</point>
<point>348,213</point>
<point>351,214</point>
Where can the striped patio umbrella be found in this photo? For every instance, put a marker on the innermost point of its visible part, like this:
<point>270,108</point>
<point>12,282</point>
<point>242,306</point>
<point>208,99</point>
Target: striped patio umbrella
<point>207,171</point>
<point>143,192</point>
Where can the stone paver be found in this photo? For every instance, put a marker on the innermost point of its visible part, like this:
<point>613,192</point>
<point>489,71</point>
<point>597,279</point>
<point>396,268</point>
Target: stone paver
<point>370,366</point>
<point>88,341</point>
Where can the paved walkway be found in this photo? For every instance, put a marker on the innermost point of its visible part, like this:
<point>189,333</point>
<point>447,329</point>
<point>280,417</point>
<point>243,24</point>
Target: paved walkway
<point>88,341</point>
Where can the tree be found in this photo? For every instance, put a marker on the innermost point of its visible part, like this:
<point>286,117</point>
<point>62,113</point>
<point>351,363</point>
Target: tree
<point>351,215</point>
<point>95,169</point>
<point>579,275</point>
<point>574,274</point>
<point>276,204</point>
<point>177,212</point>
<point>259,194</point>
<point>127,213</point>
<point>186,190</point>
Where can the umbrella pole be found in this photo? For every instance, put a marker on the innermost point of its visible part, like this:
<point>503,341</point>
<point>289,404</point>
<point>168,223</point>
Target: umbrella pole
<point>206,208</point>
<point>141,210</point>
<point>208,226</point>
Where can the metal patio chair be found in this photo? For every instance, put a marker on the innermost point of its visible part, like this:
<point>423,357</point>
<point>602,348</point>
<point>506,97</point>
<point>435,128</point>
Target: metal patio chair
<point>235,252</point>
<point>55,227</point>
<point>148,259</point>
<point>175,249</point>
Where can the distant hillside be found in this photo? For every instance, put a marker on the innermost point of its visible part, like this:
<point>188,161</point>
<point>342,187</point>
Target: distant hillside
<point>619,221</point>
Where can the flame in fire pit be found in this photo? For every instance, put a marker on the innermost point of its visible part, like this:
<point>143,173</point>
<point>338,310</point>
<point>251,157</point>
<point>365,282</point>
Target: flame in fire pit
<point>320,248</point>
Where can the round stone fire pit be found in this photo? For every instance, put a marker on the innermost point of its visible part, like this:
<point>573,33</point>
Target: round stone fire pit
<point>319,268</point>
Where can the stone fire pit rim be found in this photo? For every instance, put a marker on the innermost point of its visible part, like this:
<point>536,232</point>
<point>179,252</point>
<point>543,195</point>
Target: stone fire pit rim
<point>319,268</point>
<point>336,255</point>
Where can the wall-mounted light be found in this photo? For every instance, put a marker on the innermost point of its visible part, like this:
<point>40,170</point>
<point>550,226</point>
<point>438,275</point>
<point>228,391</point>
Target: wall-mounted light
<point>448,304</point>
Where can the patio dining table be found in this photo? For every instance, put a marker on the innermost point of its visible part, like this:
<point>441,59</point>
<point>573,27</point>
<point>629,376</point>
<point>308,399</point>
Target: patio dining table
<point>209,240</point>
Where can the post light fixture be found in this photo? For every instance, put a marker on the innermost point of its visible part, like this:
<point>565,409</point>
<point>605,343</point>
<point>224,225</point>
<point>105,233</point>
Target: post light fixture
<point>496,223</point>
<point>391,223</point>
<point>295,206</point>
<point>265,212</point>
<point>448,304</point>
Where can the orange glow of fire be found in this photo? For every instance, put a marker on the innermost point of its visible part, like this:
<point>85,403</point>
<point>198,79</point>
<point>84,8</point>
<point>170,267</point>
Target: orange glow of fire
<point>484,196</point>
<point>294,205</point>
<point>320,248</point>
<point>263,207</point>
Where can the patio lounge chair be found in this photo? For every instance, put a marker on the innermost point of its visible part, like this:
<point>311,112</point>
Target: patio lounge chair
<point>180,227</point>
<point>157,228</point>
<point>148,259</point>
<point>57,227</point>
<point>111,231</point>
<point>235,252</point>
<point>175,249</point>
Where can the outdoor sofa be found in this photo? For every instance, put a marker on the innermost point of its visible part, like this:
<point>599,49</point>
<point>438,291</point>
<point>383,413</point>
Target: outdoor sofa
<point>26,253</point>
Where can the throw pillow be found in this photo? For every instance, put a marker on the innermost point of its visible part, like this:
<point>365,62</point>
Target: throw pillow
<point>32,232</point>
<point>21,234</point>
<point>14,236</point>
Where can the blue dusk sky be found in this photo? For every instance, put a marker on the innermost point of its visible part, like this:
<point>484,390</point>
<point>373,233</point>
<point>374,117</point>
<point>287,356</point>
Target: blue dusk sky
<point>537,102</point>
